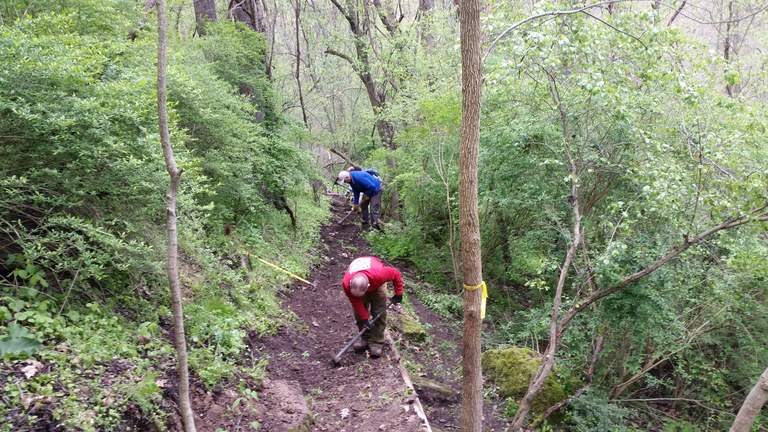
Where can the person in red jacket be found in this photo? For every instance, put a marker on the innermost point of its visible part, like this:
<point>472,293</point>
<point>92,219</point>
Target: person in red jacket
<point>365,285</point>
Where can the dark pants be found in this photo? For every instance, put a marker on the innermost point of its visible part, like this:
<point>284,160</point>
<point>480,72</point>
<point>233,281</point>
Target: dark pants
<point>375,302</point>
<point>375,203</point>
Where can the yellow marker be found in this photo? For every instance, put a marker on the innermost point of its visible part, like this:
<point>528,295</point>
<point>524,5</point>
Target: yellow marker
<point>285,271</point>
<point>483,300</point>
<point>483,297</point>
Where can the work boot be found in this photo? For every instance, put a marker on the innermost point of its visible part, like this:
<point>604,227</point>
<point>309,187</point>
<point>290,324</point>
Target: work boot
<point>377,227</point>
<point>365,226</point>
<point>375,350</point>
<point>360,345</point>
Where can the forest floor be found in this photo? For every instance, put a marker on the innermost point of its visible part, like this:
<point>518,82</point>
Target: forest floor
<point>306,391</point>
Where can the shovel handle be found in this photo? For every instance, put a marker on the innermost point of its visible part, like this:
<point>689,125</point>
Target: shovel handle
<point>346,217</point>
<point>337,357</point>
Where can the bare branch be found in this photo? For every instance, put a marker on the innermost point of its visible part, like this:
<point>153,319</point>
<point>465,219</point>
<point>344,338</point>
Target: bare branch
<point>616,29</point>
<point>343,156</point>
<point>590,374</point>
<point>342,55</point>
<point>546,364</point>
<point>757,215</point>
<point>677,12</point>
<point>542,15</point>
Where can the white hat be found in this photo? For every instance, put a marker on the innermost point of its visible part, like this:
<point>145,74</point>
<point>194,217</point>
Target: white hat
<point>342,176</point>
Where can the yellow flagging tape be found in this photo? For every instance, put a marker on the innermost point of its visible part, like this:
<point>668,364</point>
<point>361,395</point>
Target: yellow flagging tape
<point>484,297</point>
<point>284,271</point>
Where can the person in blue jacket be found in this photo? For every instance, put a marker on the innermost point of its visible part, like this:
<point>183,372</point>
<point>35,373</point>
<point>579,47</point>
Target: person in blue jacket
<point>370,186</point>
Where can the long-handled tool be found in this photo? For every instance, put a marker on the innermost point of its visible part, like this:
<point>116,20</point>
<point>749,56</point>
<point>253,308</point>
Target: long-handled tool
<point>344,219</point>
<point>337,357</point>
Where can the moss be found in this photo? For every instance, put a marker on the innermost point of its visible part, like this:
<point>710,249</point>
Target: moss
<point>412,328</point>
<point>511,370</point>
<point>406,323</point>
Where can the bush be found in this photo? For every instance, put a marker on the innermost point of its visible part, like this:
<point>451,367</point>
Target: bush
<point>511,369</point>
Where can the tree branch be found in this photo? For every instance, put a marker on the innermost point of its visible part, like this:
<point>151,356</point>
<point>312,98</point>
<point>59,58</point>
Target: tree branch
<point>590,374</point>
<point>384,17</point>
<point>342,55</point>
<point>677,12</point>
<point>616,29</point>
<point>758,214</point>
<point>343,156</point>
<point>350,19</point>
<point>542,15</point>
<point>547,363</point>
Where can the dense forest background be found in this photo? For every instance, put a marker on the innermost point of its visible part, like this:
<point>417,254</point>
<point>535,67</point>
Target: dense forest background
<point>622,190</point>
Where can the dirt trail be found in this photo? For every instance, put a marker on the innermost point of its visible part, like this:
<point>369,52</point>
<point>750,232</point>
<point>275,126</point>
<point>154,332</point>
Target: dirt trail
<point>361,393</point>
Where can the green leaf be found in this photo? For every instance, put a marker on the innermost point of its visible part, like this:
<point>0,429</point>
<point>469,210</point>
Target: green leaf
<point>18,342</point>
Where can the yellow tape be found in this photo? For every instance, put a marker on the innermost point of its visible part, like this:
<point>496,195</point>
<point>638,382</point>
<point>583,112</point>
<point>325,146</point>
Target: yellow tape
<point>483,298</point>
<point>284,271</point>
<point>482,301</point>
<point>474,287</point>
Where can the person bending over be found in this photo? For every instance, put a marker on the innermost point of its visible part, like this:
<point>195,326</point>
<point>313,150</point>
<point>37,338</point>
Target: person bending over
<point>365,285</point>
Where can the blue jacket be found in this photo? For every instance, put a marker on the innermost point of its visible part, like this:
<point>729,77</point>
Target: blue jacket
<point>365,183</point>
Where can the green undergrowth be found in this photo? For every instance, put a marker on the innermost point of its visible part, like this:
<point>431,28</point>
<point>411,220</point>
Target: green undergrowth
<point>406,244</point>
<point>85,321</point>
<point>445,303</point>
<point>126,342</point>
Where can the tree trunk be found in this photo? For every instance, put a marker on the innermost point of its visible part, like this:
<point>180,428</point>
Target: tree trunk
<point>254,14</point>
<point>205,11</point>
<point>297,74</point>
<point>472,81</point>
<point>752,405</point>
<point>185,407</point>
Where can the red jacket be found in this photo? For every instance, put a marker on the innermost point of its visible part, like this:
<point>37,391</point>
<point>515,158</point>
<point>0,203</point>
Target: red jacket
<point>378,275</point>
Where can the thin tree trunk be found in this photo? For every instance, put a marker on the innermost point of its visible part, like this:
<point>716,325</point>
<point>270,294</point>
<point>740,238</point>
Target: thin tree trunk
<point>269,36</point>
<point>472,81</point>
<point>547,362</point>
<point>185,407</point>
<point>752,405</point>
<point>297,74</point>
<point>394,197</point>
<point>727,45</point>
<point>598,346</point>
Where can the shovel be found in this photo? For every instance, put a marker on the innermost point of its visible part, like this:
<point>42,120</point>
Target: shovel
<point>337,357</point>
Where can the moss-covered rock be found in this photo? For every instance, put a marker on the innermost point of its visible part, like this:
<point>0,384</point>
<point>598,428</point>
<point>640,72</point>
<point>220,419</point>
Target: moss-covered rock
<point>408,325</point>
<point>511,370</point>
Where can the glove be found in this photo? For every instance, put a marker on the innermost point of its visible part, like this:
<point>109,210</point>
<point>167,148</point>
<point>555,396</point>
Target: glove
<point>367,324</point>
<point>396,299</point>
